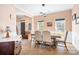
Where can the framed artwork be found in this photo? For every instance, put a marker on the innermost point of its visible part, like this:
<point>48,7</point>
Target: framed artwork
<point>77,20</point>
<point>49,24</point>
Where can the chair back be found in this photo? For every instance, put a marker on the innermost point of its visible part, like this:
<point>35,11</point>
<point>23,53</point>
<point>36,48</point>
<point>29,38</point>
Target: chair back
<point>66,34</point>
<point>38,36</point>
<point>46,36</point>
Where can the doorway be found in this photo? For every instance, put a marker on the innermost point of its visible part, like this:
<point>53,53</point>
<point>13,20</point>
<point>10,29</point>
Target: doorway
<point>22,28</point>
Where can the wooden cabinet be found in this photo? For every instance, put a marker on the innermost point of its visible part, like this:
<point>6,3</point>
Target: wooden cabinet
<point>10,46</point>
<point>7,48</point>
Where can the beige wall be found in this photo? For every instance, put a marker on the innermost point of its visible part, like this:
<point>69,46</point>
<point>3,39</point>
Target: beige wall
<point>5,11</point>
<point>51,17</point>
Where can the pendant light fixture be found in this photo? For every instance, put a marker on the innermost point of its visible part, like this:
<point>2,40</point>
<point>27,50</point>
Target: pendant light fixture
<point>43,13</point>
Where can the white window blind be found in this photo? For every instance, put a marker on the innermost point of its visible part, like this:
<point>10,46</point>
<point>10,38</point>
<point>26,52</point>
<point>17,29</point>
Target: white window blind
<point>60,25</point>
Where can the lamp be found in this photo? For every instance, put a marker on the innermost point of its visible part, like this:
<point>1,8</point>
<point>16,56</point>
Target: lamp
<point>43,13</point>
<point>7,31</point>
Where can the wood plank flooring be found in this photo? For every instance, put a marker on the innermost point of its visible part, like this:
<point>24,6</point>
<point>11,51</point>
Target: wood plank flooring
<point>28,49</point>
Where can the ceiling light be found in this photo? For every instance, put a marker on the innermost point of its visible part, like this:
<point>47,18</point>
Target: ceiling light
<point>43,5</point>
<point>42,13</point>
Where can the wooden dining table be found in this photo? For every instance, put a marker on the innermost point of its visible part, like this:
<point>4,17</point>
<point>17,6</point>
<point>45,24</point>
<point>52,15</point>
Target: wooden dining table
<point>54,40</point>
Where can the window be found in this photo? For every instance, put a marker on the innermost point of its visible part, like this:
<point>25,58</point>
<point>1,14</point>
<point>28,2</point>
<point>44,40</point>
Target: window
<point>41,25</point>
<point>60,25</point>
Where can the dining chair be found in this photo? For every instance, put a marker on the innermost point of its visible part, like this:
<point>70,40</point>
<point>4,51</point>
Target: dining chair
<point>63,40</point>
<point>38,38</point>
<point>47,38</point>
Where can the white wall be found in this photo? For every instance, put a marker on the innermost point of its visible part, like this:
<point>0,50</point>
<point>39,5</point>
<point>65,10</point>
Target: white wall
<point>69,37</point>
<point>75,40</point>
<point>75,35</point>
<point>5,11</point>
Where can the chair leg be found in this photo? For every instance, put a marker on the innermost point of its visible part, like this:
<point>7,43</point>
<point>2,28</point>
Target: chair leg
<point>44,44</point>
<point>36,43</point>
<point>66,46</point>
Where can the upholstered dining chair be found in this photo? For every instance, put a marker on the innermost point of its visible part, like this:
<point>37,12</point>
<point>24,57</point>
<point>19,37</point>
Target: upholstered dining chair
<point>38,37</point>
<point>47,38</point>
<point>63,40</point>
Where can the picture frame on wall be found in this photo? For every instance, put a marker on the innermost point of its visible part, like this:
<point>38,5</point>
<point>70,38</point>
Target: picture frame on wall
<point>77,20</point>
<point>49,24</point>
<point>29,26</point>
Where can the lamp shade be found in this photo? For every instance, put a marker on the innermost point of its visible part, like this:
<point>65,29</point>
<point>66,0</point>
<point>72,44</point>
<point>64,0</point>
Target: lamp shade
<point>7,29</point>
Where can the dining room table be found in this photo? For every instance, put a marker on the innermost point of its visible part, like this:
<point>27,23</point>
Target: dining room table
<point>54,40</point>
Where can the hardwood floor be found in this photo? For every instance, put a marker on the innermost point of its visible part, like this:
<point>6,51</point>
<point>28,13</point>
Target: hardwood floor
<point>28,49</point>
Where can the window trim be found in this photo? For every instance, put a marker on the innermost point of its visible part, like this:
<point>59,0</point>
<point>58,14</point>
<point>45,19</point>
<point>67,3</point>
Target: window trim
<point>60,20</point>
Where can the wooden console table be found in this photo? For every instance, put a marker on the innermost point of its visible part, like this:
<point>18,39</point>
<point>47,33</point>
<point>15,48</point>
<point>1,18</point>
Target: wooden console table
<point>10,46</point>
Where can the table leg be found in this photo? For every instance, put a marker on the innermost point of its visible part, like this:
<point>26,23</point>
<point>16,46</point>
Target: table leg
<point>54,46</point>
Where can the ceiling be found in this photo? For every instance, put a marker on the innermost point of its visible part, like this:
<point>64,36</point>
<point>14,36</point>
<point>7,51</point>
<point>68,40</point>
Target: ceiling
<point>35,9</point>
